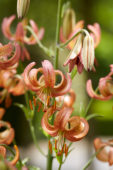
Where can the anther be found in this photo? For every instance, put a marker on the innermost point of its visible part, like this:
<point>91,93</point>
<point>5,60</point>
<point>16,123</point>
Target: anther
<point>34,101</point>
<point>48,100</point>
<point>50,146</point>
<point>31,106</point>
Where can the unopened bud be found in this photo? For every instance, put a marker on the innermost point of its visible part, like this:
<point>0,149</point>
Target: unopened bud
<point>22,7</point>
<point>68,22</point>
<point>87,55</point>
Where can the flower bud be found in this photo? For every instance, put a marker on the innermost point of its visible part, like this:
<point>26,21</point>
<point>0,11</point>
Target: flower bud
<point>68,22</point>
<point>22,7</point>
<point>87,54</point>
<point>77,48</point>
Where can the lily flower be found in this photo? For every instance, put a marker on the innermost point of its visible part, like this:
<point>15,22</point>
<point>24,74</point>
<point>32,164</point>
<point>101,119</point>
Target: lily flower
<point>106,150</point>
<point>95,33</point>
<point>6,136</point>
<point>20,35</point>
<point>5,53</point>
<point>82,54</point>
<point>45,86</point>
<point>11,84</point>
<point>72,128</point>
<point>10,164</point>
<point>105,87</point>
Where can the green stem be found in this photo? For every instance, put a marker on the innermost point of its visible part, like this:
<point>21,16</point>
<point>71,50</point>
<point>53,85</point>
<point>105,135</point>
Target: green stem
<point>91,159</point>
<point>68,41</point>
<point>57,33</point>
<point>47,51</point>
<point>60,167</point>
<point>49,160</point>
<point>90,103</point>
<point>34,138</point>
<point>8,148</point>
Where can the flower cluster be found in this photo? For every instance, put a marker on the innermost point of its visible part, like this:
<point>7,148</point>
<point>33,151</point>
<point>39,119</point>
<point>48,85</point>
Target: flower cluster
<point>82,47</point>
<point>20,37</point>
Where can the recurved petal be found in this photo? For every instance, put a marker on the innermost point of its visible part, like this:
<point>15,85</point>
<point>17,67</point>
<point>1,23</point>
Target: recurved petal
<point>25,54</point>
<point>6,50</point>
<point>92,93</point>
<point>96,33</point>
<point>41,33</point>
<point>49,73</point>
<point>2,112</point>
<point>103,154</point>
<point>16,158</point>
<point>30,77</point>
<point>62,117</point>
<point>110,156</point>
<point>19,36</point>
<point>3,151</point>
<point>79,132</point>
<point>69,98</point>
<point>7,136</point>
<point>63,87</point>
<point>50,129</point>
<point>6,27</point>
<point>13,60</point>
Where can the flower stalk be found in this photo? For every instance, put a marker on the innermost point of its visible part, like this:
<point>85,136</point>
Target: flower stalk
<point>47,51</point>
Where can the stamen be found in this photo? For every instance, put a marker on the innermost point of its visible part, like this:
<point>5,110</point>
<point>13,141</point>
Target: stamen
<point>54,106</point>
<point>48,100</point>
<point>40,106</point>
<point>65,150</point>
<point>31,106</point>
<point>34,101</point>
<point>50,146</point>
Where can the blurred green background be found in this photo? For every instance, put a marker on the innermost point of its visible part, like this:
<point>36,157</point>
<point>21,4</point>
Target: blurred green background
<point>44,13</point>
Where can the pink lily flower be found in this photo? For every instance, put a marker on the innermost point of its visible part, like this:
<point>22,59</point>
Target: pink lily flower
<point>105,87</point>
<point>6,52</point>
<point>106,152</point>
<point>72,128</point>
<point>95,33</point>
<point>11,84</point>
<point>45,86</point>
<point>20,35</point>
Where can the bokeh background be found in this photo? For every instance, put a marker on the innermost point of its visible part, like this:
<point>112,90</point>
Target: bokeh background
<point>44,13</point>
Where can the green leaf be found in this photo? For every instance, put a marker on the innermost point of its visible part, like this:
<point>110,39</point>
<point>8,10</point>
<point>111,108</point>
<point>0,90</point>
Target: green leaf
<point>94,115</point>
<point>74,72</point>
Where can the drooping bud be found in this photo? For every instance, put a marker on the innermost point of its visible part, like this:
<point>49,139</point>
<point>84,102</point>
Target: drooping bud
<point>68,22</point>
<point>87,54</point>
<point>77,48</point>
<point>22,7</point>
